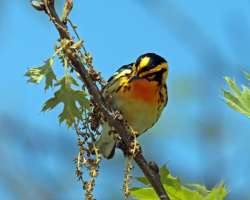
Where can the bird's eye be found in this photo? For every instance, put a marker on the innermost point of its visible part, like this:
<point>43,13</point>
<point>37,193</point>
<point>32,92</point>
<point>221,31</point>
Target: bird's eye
<point>151,76</point>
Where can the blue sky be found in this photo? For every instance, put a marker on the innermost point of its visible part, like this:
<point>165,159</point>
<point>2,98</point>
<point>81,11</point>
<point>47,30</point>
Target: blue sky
<point>116,33</point>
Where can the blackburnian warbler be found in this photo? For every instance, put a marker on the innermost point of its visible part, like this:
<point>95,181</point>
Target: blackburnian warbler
<point>139,91</point>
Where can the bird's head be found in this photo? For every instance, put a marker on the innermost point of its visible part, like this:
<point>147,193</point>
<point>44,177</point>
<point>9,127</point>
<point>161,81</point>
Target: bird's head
<point>152,67</point>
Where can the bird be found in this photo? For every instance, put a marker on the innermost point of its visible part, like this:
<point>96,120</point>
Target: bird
<point>139,92</point>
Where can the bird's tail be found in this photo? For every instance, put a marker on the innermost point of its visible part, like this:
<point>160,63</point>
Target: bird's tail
<point>106,143</point>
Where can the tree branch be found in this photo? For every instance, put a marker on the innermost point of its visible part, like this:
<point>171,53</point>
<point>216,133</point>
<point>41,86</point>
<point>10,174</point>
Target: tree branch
<point>106,109</point>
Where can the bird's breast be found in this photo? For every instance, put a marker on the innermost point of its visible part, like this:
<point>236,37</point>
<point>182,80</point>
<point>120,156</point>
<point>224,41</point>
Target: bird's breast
<point>143,91</point>
<point>138,103</point>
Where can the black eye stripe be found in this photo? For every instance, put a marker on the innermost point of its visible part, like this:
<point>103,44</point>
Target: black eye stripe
<point>157,76</point>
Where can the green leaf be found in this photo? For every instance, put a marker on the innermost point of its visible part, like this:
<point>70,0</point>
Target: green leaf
<point>200,188</point>
<point>36,74</point>
<point>182,193</point>
<point>233,102</point>
<point>167,179</point>
<point>144,194</point>
<point>74,101</point>
<point>143,180</point>
<point>245,98</point>
<point>238,99</point>
<point>232,85</point>
<point>219,192</point>
<point>176,190</point>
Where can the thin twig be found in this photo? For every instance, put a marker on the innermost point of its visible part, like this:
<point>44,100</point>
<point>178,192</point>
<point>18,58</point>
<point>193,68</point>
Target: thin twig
<point>98,99</point>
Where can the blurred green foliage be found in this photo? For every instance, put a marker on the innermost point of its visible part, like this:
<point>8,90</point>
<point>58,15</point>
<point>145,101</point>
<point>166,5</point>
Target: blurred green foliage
<point>237,98</point>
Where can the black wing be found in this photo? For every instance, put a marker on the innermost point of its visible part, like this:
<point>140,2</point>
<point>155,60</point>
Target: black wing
<point>113,82</point>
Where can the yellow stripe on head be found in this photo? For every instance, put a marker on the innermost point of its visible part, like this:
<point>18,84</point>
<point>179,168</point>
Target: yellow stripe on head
<point>150,64</point>
<point>158,68</point>
<point>143,63</point>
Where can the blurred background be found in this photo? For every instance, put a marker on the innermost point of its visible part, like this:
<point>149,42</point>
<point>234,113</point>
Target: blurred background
<point>198,136</point>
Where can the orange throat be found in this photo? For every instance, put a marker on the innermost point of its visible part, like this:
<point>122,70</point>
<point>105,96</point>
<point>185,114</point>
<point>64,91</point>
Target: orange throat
<point>143,90</point>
